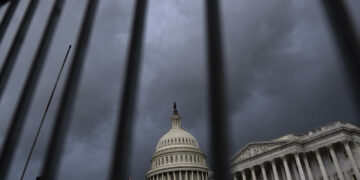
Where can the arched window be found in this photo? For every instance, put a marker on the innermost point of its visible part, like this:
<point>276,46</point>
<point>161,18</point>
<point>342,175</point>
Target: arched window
<point>171,159</point>
<point>167,160</point>
<point>181,158</point>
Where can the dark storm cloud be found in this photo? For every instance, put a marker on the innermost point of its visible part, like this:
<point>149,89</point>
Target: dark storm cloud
<point>283,76</point>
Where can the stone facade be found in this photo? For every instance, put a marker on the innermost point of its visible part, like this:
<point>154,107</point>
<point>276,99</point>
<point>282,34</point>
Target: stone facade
<point>178,156</point>
<point>331,152</point>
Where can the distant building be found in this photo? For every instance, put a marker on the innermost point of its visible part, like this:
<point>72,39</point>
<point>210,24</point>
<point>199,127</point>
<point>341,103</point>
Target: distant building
<point>178,156</point>
<point>330,152</point>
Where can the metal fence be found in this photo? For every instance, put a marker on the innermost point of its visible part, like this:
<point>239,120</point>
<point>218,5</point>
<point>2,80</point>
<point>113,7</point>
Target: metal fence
<point>338,16</point>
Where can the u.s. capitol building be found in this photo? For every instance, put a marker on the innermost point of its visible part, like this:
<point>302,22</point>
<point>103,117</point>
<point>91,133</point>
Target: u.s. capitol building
<point>331,152</point>
<point>178,155</point>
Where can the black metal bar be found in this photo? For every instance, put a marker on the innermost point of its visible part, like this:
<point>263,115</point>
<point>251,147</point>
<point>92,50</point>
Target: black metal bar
<point>217,114</point>
<point>44,115</point>
<point>7,17</point>
<point>347,42</point>
<point>13,134</point>
<point>16,45</point>
<point>2,2</point>
<point>60,127</point>
<point>123,138</point>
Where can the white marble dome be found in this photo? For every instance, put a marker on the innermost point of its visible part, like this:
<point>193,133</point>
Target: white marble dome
<point>178,155</point>
<point>176,137</point>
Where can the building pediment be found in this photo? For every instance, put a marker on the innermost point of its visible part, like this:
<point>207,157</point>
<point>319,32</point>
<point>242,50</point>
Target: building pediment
<point>255,149</point>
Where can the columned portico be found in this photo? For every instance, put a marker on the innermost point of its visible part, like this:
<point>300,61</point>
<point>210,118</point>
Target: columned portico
<point>326,153</point>
<point>352,159</point>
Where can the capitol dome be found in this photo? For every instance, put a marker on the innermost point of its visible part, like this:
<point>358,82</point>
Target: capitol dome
<point>178,155</point>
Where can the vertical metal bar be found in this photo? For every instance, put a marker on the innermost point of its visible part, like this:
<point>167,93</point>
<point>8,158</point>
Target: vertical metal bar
<point>2,2</point>
<point>123,138</point>
<point>44,115</point>
<point>347,42</point>
<point>13,134</point>
<point>60,127</point>
<point>217,114</point>
<point>7,17</point>
<point>16,45</point>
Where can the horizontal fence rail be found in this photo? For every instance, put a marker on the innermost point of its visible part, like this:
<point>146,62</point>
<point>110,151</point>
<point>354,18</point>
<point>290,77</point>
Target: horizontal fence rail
<point>336,11</point>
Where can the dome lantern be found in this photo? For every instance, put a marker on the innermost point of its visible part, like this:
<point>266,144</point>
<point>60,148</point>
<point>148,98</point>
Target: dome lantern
<point>175,118</point>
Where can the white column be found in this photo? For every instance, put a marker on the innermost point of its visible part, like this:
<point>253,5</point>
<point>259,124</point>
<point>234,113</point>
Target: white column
<point>296,174</point>
<point>198,175</point>
<point>336,163</point>
<point>235,176</point>
<point>162,176</point>
<point>202,175</point>
<point>168,175</point>
<point>180,175</point>
<point>192,175</point>
<point>174,175</point>
<point>243,175</point>
<point>157,177</point>
<point>300,168</point>
<point>263,172</point>
<point>287,170</point>
<point>352,159</point>
<point>253,175</point>
<point>321,164</point>
<point>282,171</point>
<point>272,177</point>
<point>186,176</point>
<point>276,175</point>
<point>307,166</point>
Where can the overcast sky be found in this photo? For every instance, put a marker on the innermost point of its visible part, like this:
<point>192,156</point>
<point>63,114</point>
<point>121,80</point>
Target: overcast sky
<point>283,72</point>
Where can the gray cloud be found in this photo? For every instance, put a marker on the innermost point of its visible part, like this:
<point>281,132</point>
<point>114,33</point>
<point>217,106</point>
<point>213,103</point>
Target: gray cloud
<point>283,76</point>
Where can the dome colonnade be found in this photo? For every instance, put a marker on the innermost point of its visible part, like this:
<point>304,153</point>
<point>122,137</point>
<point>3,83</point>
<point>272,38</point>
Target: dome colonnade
<point>178,155</point>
